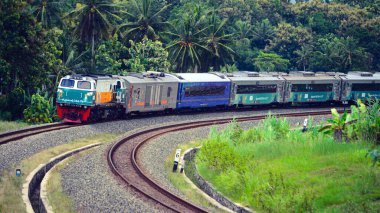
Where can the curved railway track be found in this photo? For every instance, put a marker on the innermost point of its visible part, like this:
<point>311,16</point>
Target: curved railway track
<point>19,134</point>
<point>129,170</point>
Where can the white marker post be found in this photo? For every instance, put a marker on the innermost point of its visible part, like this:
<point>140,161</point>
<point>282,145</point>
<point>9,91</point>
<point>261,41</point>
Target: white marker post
<point>176,159</point>
<point>304,125</point>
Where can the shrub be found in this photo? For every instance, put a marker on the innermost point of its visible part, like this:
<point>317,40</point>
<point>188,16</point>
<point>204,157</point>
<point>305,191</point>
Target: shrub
<point>39,111</point>
<point>16,103</point>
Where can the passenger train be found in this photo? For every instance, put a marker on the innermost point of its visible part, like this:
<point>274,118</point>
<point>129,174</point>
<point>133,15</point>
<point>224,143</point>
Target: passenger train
<point>89,97</point>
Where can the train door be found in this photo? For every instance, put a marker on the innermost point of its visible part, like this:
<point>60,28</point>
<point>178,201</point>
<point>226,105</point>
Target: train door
<point>287,91</point>
<point>148,96</point>
<point>153,95</point>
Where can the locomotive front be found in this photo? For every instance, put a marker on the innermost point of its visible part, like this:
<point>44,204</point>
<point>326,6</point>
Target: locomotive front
<point>75,97</point>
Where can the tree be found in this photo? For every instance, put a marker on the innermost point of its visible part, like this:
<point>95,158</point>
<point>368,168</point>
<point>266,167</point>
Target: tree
<point>145,19</point>
<point>287,39</point>
<point>53,49</point>
<point>147,55</point>
<point>109,56</point>
<point>186,43</point>
<point>262,33</point>
<point>94,23</point>
<point>304,55</point>
<point>270,62</point>
<point>48,12</point>
<point>218,44</point>
<point>337,125</point>
<point>22,57</point>
<point>337,54</point>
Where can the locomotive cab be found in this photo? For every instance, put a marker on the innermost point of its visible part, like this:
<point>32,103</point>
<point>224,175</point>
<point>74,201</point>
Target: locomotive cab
<point>75,97</point>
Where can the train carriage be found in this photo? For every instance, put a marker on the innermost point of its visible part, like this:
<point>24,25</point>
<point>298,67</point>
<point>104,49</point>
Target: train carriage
<point>252,88</point>
<point>201,90</point>
<point>360,85</point>
<point>307,87</point>
<point>150,91</point>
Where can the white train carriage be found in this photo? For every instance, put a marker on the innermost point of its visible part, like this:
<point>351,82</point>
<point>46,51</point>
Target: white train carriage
<point>150,91</point>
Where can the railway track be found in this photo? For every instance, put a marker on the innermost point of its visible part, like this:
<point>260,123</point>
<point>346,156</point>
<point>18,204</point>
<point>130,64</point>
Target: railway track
<point>129,170</point>
<point>19,134</point>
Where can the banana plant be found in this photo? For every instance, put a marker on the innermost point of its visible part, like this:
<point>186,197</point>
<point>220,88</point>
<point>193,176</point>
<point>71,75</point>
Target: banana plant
<point>337,125</point>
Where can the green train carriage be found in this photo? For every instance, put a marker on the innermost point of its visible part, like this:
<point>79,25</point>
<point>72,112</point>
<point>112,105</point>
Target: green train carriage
<point>310,87</point>
<point>360,85</point>
<point>252,88</point>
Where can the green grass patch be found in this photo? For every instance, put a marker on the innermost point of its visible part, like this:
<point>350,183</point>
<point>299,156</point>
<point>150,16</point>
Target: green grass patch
<point>11,125</point>
<point>179,180</point>
<point>11,186</point>
<point>271,168</point>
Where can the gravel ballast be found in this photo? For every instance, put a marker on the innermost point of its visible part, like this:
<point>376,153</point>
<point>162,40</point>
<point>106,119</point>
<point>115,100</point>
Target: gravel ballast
<point>88,180</point>
<point>154,154</point>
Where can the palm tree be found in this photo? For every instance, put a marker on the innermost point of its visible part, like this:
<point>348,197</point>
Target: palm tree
<point>304,55</point>
<point>94,24</point>
<point>146,21</point>
<point>217,43</point>
<point>262,33</point>
<point>350,49</point>
<point>47,11</point>
<point>186,44</point>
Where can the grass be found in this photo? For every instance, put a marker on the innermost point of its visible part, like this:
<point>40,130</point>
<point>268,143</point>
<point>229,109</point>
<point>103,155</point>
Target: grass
<point>273,169</point>
<point>10,125</point>
<point>11,186</point>
<point>179,180</point>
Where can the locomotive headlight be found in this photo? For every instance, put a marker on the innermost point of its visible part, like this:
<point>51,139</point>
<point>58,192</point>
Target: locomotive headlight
<point>89,94</point>
<point>59,91</point>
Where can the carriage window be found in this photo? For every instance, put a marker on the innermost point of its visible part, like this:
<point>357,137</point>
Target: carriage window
<point>168,92</point>
<point>204,91</point>
<point>365,87</point>
<point>248,89</point>
<point>67,83</point>
<point>84,85</point>
<point>312,87</point>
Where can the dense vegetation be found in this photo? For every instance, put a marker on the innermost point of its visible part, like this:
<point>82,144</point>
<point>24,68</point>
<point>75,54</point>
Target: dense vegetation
<point>42,40</point>
<point>273,168</point>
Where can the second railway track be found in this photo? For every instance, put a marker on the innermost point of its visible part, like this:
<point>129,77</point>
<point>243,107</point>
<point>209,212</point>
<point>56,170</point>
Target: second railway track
<point>124,162</point>
<point>19,134</point>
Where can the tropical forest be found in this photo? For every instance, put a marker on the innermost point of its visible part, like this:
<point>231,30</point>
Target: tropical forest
<point>43,40</point>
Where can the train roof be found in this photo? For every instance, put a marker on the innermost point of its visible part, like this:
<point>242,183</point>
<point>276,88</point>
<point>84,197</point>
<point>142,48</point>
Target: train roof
<point>149,77</point>
<point>254,76</point>
<point>358,75</point>
<point>200,77</point>
<point>90,76</point>
<point>307,76</point>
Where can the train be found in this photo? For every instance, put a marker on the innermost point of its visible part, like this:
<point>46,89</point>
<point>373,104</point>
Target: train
<point>92,97</point>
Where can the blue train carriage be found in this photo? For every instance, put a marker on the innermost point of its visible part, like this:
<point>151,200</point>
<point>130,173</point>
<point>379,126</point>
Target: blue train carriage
<point>79,96</point>
<point>202,90</point>
<point>252,88</point>
<point>308,87</point>
<point>360,85</point>
<point>150,91</point>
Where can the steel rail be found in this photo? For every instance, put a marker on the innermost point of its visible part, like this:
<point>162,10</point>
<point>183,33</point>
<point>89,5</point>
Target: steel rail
<point>158,131</point>
<point>22,133</point>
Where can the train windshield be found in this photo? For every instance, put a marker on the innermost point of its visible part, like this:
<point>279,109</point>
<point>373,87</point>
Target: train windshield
<point>84,85</point>
<point>67,83</point>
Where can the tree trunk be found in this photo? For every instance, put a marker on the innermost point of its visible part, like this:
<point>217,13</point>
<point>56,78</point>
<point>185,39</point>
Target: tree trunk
<point>93,46</point>
<point>338,135</point>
